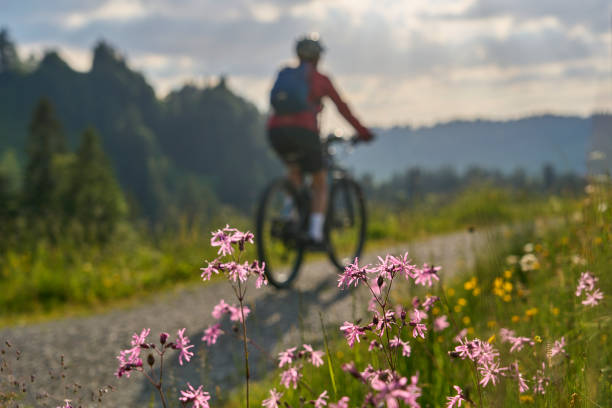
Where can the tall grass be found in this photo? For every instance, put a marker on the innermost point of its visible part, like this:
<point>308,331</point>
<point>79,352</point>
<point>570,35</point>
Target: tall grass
<point>527,284</point>
<point>48,279</point>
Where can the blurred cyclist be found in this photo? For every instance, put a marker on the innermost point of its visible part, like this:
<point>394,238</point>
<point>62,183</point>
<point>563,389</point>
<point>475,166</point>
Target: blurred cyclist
<point>293,128</point>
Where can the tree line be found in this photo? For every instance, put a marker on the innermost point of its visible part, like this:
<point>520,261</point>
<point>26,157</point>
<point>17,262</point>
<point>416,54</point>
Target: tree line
<point>61,191</point>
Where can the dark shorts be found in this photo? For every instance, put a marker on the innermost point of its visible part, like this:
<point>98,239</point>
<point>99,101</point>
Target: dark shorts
<point>299,146</point>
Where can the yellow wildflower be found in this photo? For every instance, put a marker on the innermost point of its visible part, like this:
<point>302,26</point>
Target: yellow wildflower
<point>491,339</point>
<point>508,286</point>
<point>491,323</point>
<point>555,311</point>
<point>470,330</point>
<point>515,319</point>
<point>466,320</point>
<point>435,311</point>
<point>507,274</point>
<point>457,309</point>
<point>468,285</point>
<point>531,312</point>
<point>537,339</point>
<point>498,282</point>
<point>526,398</point>
<point>507,298</point>
<point>462,302</point>
<point>450,292</point>
<point>476,291</point>
<point>499,292</point>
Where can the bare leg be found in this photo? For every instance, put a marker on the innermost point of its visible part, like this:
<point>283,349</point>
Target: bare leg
<point>319,204</point>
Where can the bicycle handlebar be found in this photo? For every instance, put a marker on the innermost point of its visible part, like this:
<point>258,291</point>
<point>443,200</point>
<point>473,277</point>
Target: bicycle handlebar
<point>333,138</point>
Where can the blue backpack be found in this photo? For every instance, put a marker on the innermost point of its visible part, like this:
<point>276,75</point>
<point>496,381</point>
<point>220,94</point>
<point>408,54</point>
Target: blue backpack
<point>290,91</point>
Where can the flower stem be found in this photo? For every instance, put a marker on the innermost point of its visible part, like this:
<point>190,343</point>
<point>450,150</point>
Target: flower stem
<point>244,342</point>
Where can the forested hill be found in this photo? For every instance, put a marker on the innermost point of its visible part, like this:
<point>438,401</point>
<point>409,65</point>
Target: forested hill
<point>172,154</point>
<point>527,144</point>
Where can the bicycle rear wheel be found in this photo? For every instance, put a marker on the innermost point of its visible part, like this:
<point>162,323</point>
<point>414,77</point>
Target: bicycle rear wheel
<point>280,219</point>
<point>345,224</point>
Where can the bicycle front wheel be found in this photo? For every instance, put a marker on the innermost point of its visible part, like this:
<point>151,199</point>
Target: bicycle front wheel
<point>279,223</point>
<point>345,224</point>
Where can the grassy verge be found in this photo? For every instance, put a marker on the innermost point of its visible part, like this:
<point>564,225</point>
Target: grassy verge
<point>47,281</point>
<point>528,285</point>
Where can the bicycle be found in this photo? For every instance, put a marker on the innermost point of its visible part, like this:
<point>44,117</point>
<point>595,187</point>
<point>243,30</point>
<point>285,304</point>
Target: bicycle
<point>283,220</point>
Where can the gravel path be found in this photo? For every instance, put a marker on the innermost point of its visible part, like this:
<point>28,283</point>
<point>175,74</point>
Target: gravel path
<point>280,318</point>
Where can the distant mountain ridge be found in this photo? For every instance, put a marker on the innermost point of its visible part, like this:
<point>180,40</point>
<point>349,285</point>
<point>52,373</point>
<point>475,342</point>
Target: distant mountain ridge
<point>526,143</point>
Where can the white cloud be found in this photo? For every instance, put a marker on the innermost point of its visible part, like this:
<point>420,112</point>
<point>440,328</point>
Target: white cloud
<point>111,10</point>
<point>396,61</point>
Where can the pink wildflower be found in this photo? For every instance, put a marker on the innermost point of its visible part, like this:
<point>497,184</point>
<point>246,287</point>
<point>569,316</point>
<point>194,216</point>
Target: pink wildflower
<point>394,390</point>
<point>506,334</point>
<point>274,400</point>
<point>211,334</point>
<point>429,302</point>
<point>212,267</point>
<point>397,342</point>
<point>199,397</point>
<point>291,377</point>
<point>490,373</point>
<point>66,404</point>
<point>558,347</point>
<point>259,270</point>
<point>457,399</point>
<point>374,345</point>
<point>220,309</point>
<point>523,387</point>
<point>384,322</point>
<point>586,282</point>
<point>593,298</point>
<point>236,315</point>
<point>419,328</point>
<point>352,333</point>
<point>236,271</point>
<point>342,403</point>
<point>519,342</point>
<point>403,266</point>
<point>314,355</point>
<point>182,344</point>
<point>352,273</point>
<point>322,400</point>
<point>427,275</point>
<point>541,381</point>
<point>139,339</point>
<point>440,323</point>
<point>222,239</point>
<point>287,357</point>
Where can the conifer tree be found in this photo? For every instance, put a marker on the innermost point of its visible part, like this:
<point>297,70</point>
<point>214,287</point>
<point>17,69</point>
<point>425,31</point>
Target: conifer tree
<point>46,140</point>
<point>95,199</point>
<point>9,60</point>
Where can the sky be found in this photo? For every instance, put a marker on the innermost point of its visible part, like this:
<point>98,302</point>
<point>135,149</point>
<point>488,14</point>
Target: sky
<point>412,62</point>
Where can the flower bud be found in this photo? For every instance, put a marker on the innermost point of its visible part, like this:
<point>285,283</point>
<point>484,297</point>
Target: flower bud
<point>150,360</point>
<point>380,281</point>
<point>163,337</point>
<point>375,320</point>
